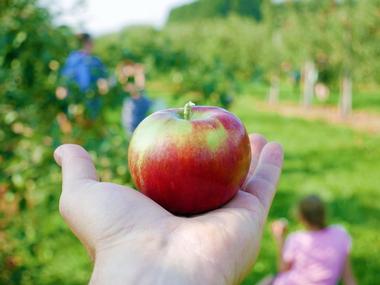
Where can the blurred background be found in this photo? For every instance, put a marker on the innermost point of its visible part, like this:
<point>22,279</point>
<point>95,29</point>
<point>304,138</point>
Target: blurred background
<point>305,73</point>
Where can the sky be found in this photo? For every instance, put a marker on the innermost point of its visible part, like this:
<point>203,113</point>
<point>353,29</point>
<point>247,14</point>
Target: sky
<point>104,16</point>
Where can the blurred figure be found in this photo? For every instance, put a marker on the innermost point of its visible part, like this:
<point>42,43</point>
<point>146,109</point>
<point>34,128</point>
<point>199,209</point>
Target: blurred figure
<point>84,79</point>
<point>317,256</point>
<point>136,107</point>
<point>295,76</point>
<point>322,92</point>
<point>274,90</point>
<point>308,79</point>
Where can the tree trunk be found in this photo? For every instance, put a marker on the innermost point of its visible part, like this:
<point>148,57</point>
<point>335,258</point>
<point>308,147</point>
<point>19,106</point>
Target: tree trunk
<point>309,78</point>
<point>346,95</point>
<point>274,90</point>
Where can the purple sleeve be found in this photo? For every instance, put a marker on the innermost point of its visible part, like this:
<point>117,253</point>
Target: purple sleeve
<point>344,237</point>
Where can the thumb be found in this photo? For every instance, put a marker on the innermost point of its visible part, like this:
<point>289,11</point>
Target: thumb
<point>76,165</point>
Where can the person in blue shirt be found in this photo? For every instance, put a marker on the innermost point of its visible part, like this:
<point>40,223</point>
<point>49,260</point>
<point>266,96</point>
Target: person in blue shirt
<point>84,77</point>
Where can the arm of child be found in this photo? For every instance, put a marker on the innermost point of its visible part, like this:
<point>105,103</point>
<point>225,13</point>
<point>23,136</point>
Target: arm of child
<point>348,276</point>
<point>279,230</point>
<point>283,263</point>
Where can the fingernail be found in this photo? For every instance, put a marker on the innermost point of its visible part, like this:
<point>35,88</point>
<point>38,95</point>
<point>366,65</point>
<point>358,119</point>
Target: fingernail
<point>58,154</point>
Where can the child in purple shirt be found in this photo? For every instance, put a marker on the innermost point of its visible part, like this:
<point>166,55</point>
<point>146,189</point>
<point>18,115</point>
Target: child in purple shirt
<point>317,256</point>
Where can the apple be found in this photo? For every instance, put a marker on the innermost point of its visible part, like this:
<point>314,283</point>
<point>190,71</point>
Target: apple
<point>190,160</point>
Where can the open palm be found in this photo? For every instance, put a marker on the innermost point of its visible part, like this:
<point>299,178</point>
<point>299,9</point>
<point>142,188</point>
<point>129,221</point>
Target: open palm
<point>133,240</point>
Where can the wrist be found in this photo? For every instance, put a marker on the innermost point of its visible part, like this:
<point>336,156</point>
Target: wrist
<point>122,266</point>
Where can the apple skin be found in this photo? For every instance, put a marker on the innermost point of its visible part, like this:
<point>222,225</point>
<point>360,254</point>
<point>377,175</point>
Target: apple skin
<point>190,165</point>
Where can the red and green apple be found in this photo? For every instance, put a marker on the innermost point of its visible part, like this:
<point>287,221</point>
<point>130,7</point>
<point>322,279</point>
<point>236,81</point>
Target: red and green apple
<point>190,160</point>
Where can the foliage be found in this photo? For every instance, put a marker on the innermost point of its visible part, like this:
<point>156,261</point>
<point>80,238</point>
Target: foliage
<point>206,9</point>
<point>34,241</point>
<point>339,36</point>
<point>210,56</point>
<point>208,68</point>
<point>218,60</point>
<point>29,61</point>
<point>366,33</point>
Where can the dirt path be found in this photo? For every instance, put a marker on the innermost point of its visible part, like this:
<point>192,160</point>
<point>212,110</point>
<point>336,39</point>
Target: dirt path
<point>359,120</point>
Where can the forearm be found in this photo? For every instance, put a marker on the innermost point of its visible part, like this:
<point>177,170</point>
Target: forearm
<point>350,282</point>
<point>349,279</point>
<point>279,249</point>
<point>348,276</point>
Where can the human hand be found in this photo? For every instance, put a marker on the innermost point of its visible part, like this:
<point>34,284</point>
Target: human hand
<point>133,240</point>
<point>279,229</point>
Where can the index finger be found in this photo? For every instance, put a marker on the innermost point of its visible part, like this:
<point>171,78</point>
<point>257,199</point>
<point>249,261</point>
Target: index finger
<point>257,144</point>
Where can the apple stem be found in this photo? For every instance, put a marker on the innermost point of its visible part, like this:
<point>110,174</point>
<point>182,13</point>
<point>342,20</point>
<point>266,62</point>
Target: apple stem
<point>187,110</point>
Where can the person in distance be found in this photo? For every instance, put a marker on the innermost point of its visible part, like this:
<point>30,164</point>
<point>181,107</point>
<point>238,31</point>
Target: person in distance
<point>317,256</point>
